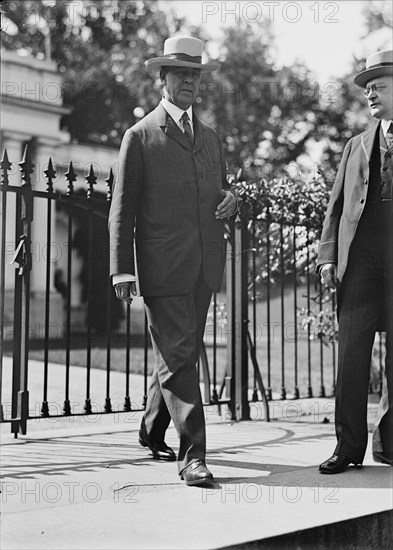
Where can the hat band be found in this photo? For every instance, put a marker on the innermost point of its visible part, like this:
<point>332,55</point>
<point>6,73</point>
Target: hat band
<point>387,64</point>
<point>184,57</point>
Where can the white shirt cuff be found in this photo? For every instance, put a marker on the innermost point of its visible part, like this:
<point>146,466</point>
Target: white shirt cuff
<point>123,278</point>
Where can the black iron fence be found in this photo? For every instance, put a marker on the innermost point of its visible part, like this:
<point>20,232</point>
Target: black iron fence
<point>260,331</point>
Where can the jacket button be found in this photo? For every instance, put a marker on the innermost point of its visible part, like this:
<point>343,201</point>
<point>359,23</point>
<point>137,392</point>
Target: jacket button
<point>385,169</point>
<point>362,201</point>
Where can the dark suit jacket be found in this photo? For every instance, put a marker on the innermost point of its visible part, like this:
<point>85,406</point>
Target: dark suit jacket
<point>347,201</point>
<point>168,192</point>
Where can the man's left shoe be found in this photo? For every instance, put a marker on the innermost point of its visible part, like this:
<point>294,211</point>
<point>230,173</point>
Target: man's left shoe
<point>336,464</point>
<point>159,449</point>
<point>196,473</point>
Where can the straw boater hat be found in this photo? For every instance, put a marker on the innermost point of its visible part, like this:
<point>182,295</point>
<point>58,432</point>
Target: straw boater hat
<point>182,51</point>
<point>377,64</point>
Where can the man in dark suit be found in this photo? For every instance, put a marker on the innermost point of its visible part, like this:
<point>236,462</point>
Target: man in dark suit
<point>172,192</point>
<point>356,254</point>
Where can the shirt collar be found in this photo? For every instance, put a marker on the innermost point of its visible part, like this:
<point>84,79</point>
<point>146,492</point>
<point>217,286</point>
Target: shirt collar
<point>175,112</point>
<point>385,126</point>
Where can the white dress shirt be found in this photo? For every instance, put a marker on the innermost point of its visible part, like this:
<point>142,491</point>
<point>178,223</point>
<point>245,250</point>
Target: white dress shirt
<point>385,126</point>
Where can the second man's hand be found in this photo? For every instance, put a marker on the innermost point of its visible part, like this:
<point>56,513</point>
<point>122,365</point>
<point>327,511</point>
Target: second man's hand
<point>125,291</point>
<point>329,275</point>
<point>227,206</point>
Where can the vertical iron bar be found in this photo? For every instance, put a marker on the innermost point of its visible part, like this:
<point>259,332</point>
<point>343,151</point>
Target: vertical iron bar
<point>109,184</point>
<point>295,309</point>
<point>242,317</point>
<point>67,405</point>
<point>309,391</point>
<point>108,405</point>
<point>228,384</point>
<point>146,360</point>
<point>70,177</point>
<point>282,284</point>
<point>254,303</point>
<point>17,329</point>
<point>322,389</point>
<point>91,180</point>
<point>334,345</point>
<point>127,400</point>
<point>5,166</point>
<point>50,174</point>
<point>214,393</point>
<point>26,217</point>
<point>45,407</point>
<point>87,407</point>
<point>269,379</point>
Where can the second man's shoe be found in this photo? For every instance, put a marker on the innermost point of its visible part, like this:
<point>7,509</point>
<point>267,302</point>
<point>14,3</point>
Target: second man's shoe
<point>196,473</point>
<point>336,464</point>
<point>159,450</point>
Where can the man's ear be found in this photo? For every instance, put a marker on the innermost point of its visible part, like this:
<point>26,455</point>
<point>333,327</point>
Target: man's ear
<point>163,77</point>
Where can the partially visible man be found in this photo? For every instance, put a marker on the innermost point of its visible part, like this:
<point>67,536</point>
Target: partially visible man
<point>172,190</point>
<point>356,254</point>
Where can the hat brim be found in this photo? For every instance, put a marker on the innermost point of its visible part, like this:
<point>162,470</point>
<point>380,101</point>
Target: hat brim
<point>157,62</point>
<point>362,78</point>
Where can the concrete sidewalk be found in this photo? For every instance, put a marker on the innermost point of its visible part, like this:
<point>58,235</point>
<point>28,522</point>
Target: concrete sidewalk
<point>84,481</point>
<point>90,485</point>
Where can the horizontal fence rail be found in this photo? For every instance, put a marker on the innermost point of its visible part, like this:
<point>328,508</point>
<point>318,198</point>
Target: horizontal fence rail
<point>270,334</point>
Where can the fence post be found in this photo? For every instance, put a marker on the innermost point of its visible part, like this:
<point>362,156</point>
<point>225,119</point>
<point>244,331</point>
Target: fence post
<point>238,321</point>
<point>22,256</point>
<point>5,166</point>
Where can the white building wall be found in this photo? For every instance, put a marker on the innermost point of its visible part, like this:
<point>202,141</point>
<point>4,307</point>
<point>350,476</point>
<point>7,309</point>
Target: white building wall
<point>31,109</point>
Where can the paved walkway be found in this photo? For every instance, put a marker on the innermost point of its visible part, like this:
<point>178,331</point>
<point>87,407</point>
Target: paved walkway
<point>86,483</point>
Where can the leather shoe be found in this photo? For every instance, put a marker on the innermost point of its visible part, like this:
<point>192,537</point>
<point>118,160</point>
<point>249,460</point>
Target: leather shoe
<point>336,464</point>
<point>159,450</point>
<point>196,473</point>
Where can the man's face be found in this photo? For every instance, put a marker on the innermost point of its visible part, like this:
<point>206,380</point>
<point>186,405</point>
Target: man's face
<point>182,86</point>
<point>380,97</point>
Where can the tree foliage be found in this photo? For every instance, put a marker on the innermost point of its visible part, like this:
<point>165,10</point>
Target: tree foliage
<point>100,47</point>
<point>265,113</point>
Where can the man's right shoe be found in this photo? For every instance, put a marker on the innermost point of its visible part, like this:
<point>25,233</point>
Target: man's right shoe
<point>159,450</point>
<point>336,464</point>
<point>196,473</point>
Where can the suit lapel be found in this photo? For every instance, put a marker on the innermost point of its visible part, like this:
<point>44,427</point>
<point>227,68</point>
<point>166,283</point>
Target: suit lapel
<point>368,139</point>
<point>171,129</point>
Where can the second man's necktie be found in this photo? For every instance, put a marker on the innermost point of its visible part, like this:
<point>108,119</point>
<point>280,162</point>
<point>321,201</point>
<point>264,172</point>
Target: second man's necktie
<point>389,136</point>
<point>187,127</point>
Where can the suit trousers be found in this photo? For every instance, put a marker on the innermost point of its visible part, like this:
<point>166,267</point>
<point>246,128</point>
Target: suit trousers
<point>177,325</point>
<point>364,296</point>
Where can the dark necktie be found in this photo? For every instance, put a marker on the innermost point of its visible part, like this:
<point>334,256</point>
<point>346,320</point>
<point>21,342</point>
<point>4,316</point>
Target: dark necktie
<point>187,127</point>
<point>389,136</point>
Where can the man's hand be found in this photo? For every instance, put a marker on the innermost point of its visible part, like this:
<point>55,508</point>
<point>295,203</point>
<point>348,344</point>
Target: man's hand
<point>125,291</point>
<point>329,274</point>
<point>227,206</point>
